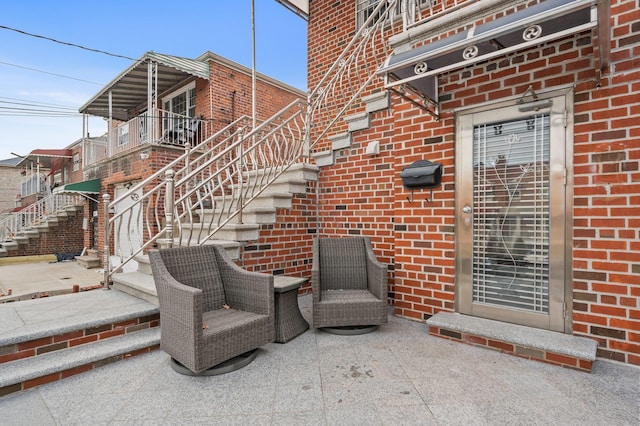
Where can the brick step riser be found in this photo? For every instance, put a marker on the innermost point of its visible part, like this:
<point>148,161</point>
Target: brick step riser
<point>38,381</point>
<point>546,357</point>
<point>76,338</point>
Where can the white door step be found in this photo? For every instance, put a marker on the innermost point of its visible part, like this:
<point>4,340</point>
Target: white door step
<point>541,345</point>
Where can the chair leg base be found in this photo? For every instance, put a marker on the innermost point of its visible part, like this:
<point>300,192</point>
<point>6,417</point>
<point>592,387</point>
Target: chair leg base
<point>351,330</point>
<point>224,367</point>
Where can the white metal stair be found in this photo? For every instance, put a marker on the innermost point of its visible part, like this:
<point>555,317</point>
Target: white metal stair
<point>232,236</point>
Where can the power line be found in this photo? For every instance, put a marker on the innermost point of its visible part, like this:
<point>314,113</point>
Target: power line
<point>40,105</point>
<point>37,102</point>
<point>66,43</point>
<point>50,73</point>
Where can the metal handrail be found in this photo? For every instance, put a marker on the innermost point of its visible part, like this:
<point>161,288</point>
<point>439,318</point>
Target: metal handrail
<point>34,214</point>
<point>194,196</point>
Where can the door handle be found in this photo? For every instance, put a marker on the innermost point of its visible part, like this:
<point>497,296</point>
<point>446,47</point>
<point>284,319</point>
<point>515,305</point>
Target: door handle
<point>466,209</point>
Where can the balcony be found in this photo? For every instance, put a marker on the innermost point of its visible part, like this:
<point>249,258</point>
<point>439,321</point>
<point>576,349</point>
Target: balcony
<point>160,128</point>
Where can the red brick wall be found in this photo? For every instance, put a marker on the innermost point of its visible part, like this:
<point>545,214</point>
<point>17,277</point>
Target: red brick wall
<point>67,237</point>
<point>364,195</point>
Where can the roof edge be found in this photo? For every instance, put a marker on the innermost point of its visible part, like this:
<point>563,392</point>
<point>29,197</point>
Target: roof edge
<point>210,56</point>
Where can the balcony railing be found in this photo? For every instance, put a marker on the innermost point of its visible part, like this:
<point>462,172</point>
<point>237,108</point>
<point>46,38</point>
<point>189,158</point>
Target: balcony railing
<point>416,12</point>
<point>160,127</point>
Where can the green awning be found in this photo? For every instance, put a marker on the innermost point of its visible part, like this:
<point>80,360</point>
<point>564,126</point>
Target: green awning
<point>84,187</point>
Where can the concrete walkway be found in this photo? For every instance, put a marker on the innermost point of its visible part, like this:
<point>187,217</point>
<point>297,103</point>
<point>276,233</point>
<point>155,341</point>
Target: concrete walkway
<point>27,279</point>
<point>394,376</point>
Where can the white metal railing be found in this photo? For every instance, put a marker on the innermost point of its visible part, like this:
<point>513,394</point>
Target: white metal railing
<point>209,186</point>
<point>352,72</point>
<point>93,150</point>
<point>35,214</point>
<point>417,12</point>
<point>33,184</point>
<point>145,217</point>
<point>173,129</point>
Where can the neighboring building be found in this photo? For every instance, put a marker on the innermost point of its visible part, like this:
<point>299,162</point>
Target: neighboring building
<point>531,108</point>
<point>190,100</point>
<point>10,178</point>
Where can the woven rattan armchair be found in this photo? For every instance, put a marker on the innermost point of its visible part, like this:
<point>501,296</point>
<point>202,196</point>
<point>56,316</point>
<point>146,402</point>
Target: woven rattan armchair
<point>349,286</point>
<point>211,310</point>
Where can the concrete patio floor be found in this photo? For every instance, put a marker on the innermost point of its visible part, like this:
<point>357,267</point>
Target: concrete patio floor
<point>398,375</point>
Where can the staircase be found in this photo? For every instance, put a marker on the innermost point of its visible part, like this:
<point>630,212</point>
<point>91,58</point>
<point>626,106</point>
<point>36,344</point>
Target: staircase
<point>36,219</point>
<point>223,190</point>
<point>89,260</point>
<point>233,236</point>
<point>43,340</point>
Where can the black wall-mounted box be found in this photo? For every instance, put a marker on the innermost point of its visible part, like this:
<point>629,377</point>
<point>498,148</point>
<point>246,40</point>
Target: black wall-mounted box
<point>421,174</point>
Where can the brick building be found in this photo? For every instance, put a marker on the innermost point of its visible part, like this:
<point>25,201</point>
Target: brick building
<point>532,109</point>
<point>192,100</point>
<point>10,178</point>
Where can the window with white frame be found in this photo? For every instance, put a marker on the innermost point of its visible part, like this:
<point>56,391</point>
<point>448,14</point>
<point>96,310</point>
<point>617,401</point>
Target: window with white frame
<point>76,162</point>
<point>178,108</point>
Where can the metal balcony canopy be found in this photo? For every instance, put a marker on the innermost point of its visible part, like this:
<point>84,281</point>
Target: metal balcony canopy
<point>129,90</point>
<point>46,158</point>
<point>552,19</point>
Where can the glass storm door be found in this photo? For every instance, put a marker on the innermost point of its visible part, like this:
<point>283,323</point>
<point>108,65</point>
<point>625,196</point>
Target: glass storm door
<point>511,214</point>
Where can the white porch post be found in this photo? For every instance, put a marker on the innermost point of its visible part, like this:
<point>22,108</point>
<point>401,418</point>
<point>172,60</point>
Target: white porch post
<point>153,120</point>
<point>110,125</point>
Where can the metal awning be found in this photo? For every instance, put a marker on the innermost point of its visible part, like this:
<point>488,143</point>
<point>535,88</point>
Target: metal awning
<point>129,90</point>
<point>51,159</point>
<point>84,187</point>
<point>418,68</point>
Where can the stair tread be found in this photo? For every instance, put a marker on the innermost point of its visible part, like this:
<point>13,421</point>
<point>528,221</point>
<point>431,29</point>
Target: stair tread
<point>137,280</point>
<point>44,317</point>
<point>565,344</point>
<point>53,362</point>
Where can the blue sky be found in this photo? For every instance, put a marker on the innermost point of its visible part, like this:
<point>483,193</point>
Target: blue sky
<point>127,28</point>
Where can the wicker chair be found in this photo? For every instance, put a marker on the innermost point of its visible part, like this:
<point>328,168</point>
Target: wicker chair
<point>349,286</point>
<point>212,312</point>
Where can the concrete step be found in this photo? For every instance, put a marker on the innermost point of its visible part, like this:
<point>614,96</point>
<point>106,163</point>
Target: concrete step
<point>3,252</point>
<point>287,184</point>
<point>298,171</point>
<point>31,372</point>
<point>261,215</point>
<point>51,221</point>
<point>9,245</point>
<point>136,284</point>
<point>42,340</point>
<point>41,227</point>
<point>551,347</point>
<point>275,200</point>
<point>72,210</point>
<point>88,261</point>
<point>21,239</point>
<point>279,200</point>
<point>143,264</point>
<point>231,247</point>
<point>230,231</point>
<point>29,232</point>
<point>306,171</point>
